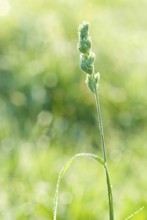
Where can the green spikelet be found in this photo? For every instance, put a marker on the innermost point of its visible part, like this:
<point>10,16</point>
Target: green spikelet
<point>84,44</point>
<point>90,82</point>
<point>87,62</point>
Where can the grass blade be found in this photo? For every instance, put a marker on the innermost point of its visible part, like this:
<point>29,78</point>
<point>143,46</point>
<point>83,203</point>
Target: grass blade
<point>135,213</point>
<point>65,168</point>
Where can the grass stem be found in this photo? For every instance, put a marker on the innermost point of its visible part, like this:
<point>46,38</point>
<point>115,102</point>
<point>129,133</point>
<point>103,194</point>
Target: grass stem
<point>109,188</point>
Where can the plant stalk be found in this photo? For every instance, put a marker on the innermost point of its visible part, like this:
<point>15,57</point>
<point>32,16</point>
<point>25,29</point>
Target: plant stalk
<point>110,195</point>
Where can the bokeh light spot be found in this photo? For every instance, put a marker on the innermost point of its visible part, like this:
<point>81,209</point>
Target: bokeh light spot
<point>4,7</point>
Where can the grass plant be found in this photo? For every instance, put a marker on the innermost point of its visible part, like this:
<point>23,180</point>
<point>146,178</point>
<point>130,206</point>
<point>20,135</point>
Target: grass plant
<point>87,59</point>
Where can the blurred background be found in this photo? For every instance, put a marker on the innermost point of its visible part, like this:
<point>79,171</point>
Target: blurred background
<point>47,114</point>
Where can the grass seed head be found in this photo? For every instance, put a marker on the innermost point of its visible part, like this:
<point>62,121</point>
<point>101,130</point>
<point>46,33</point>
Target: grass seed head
<point>87,62</point>
<point>84,44</point>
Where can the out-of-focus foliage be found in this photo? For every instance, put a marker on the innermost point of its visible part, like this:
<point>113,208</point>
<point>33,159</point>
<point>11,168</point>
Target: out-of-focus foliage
<point>44,100</point>
<point>41,84</point>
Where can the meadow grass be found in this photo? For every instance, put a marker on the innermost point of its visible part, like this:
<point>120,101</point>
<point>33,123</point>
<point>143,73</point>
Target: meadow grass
<point>43,106</point>
<point>87,59</point>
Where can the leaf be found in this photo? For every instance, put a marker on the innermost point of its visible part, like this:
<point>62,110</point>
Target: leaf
<point>135,213</point>
<point>65,168</point>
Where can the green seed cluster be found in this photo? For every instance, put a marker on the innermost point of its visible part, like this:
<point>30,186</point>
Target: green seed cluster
<point>87,57</point>
<point>87,61</point>
<point>84,39</point>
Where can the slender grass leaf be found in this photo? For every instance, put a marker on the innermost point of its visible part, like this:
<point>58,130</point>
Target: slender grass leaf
<point>65,168</point>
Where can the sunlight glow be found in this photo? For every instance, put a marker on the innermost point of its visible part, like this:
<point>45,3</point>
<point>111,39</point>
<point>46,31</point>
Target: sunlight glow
<point>4,7</point>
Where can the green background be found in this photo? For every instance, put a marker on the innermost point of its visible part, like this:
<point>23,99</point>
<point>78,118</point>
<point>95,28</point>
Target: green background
<point>47,114</point>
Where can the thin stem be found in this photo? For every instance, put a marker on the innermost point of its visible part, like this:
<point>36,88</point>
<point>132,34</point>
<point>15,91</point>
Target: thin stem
<point>100,125</point>
<point>110,196</point>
